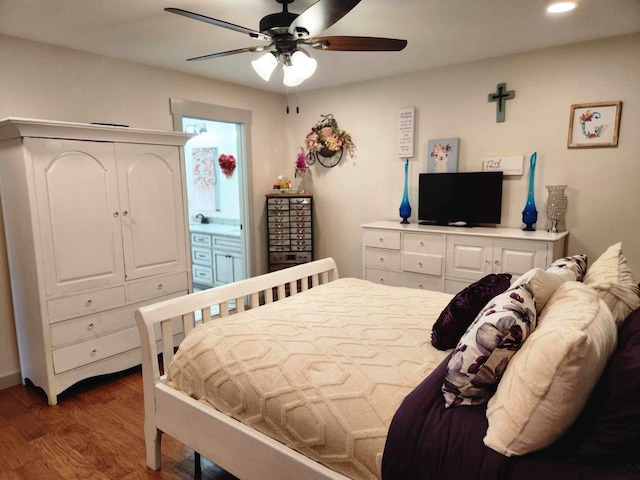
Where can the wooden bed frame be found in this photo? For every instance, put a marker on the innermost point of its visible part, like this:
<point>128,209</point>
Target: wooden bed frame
<point>238,449</point>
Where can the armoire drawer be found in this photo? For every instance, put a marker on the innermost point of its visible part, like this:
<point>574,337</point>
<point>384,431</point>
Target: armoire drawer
<point>96,349</point>
<point>85,303</point>
<point>157,286</point>
<point>84,328</point>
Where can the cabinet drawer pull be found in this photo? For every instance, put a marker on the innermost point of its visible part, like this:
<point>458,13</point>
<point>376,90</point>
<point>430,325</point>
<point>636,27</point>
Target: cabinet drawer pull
<point>381,259</point>
<point>90,326</point>
<point>115,214</point>
<point>497,262</point>
<point>382,280</point>
<point>420,286</point>
<point>420,264</point>
<point>125,213</point>
<point>88,303</point>
<point>422,244</point>
<point>160,286</point>
<point>94,352</point>
<point>487,261</point>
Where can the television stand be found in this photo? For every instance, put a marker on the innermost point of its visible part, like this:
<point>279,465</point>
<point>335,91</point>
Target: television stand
<point>449,258</point>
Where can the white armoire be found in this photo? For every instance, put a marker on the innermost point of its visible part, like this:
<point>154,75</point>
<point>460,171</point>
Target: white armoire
<point>95,227</point>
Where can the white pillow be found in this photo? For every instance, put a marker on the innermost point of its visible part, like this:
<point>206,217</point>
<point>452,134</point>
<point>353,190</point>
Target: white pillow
<point>550,378</point>
<point>612,278</point>
<point>543,283</point>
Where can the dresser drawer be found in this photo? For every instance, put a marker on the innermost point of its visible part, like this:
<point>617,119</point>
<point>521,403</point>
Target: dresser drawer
<point>202,275</point>
<point>157,286</point>
<point>201,240</point>
<point>292,258</point>
<point>271,201</point>
<point>278,207</point>
<point>90,326</point>
<point>300,209</point>
<point>385,259</point>
<point>423,243</point>
<point>85,303</point>
<point>419,263</point>
<point>300,201</point>
<point>96,349</point>
<point>201,256</point>
<point>382,239</point>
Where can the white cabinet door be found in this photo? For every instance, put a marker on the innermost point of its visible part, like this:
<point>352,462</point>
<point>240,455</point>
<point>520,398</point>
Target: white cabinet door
<point>469,257</point>
<point>151,200</point>
<point>518,256</point>
<point>78,214</point>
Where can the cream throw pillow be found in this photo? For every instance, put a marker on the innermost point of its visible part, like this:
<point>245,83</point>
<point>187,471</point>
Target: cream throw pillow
<point>612,278</point>
<point>550,378</point>
<point>543,283</point>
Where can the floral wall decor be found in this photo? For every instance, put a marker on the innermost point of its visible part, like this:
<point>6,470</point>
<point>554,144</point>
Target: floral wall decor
<point>227,164</point>
<point>326,142</point>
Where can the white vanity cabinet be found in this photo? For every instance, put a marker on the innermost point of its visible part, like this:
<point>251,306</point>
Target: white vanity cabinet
<point>216,258</point>
<point>451,258</point>
<point>95,227</point>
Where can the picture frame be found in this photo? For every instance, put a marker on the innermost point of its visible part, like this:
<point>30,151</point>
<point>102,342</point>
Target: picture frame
<point>594,124</point>
<point>442,155</point>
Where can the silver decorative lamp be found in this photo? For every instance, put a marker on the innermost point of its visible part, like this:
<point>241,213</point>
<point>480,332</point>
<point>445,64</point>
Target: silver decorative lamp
<point>556,205</point>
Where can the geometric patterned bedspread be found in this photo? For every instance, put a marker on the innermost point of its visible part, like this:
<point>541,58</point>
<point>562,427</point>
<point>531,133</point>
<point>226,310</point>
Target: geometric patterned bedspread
<point>322,371</point>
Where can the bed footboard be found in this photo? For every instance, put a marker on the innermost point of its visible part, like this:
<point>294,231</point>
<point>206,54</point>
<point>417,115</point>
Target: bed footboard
<point>159,324</point>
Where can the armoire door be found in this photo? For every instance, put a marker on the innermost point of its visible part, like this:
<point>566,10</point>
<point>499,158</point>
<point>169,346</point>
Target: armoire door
<point>151,199</point>
<point>76,190</point>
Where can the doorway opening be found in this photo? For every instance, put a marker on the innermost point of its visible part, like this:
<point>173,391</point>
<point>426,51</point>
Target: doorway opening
<point>217,163</point>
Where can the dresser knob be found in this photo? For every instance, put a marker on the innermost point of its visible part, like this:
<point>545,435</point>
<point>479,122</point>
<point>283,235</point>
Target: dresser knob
<point>420,286</point>
<point>88,303</point>
<point>420,264</point>
<point>487,261</point>
<point>382,280</point>
<point>94,352</point>
<point>497,262</point>
<point>90,327</point>
<point>422,244</point>
<point>381,260</point>
<point>160,286</point>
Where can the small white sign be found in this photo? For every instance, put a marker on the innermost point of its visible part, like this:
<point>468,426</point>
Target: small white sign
<point>511,165</point>
<point>406,129</point>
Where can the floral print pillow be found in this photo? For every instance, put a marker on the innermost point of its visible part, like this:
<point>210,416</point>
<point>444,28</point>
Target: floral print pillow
<point>481,357</point>
<point>576,264</point>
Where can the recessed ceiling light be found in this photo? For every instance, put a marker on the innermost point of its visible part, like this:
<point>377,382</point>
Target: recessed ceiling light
<point>560,7</point>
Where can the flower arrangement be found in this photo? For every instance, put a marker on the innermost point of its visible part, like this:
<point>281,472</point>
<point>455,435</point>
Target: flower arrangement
<point>327,138</point>
<point>227,164</point>
<point>302,164</point>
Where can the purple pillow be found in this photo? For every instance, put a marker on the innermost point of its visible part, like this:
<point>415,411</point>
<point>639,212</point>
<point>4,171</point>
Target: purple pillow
<point>464,308</point>
<point>608,429</point>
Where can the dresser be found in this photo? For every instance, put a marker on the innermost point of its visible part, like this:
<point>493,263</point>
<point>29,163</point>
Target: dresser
<point>290,230</point>
<point>448,259</point>
<point>94,220</point>
<point>216,255</point>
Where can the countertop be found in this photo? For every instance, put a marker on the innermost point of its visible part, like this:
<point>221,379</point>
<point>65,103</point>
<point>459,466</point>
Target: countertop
<point>215,229</point>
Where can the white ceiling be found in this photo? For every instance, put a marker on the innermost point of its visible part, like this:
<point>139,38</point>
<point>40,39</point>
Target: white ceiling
<point>439,32</point>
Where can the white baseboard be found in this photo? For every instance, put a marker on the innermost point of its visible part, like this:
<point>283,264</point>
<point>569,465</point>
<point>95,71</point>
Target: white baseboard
<point>10,380</point>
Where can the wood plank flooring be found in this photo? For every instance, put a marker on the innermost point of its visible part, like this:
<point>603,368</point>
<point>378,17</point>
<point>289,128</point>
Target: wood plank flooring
<point>95,432</point>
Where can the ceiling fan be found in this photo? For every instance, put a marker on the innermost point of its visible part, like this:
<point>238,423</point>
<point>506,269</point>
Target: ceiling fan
<point>285,32</point>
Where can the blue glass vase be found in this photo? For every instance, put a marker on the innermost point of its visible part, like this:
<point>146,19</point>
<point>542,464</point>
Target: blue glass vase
<point>405,206</point>
<point>530,214</point>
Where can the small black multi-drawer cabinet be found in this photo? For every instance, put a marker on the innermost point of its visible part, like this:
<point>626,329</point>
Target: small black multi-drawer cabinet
<point>290,231</point>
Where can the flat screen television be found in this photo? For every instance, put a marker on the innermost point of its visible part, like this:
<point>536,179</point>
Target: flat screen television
<point>463,199</point>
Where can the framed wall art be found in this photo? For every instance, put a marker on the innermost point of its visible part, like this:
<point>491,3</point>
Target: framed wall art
<point>442,155</point>
<point>594,124</point>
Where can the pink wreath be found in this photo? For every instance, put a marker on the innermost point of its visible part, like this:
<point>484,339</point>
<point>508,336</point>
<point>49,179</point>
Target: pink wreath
<point>227,164</point>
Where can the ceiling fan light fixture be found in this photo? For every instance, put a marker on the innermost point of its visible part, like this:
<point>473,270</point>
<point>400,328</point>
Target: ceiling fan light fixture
<point>305,64</point>
<point>265,65</point>
<point>292,76</point>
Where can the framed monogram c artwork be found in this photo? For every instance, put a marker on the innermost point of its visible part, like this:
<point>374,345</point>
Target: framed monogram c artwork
<point>594,124</point>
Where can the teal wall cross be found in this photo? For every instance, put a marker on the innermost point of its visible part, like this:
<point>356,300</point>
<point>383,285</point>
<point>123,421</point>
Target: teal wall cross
<point>501,97</point>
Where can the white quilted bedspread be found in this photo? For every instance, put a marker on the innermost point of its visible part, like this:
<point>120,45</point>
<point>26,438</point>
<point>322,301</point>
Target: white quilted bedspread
<point>323,371</point>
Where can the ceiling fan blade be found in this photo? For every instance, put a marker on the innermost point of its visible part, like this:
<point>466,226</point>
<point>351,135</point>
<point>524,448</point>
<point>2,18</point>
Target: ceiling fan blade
<point>218,23</point>
<point>229,52</point>
<point>357,44</point>
<point>321,15</point>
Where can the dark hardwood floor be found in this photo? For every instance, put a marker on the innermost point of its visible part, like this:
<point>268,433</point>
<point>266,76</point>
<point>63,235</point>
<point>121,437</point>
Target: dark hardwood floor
<point>95,432</point>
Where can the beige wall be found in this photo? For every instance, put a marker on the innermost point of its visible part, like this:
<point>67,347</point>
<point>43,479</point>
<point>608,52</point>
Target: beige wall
<point>59,84</point>
<point>604,198</point>
<point>40,81</point>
